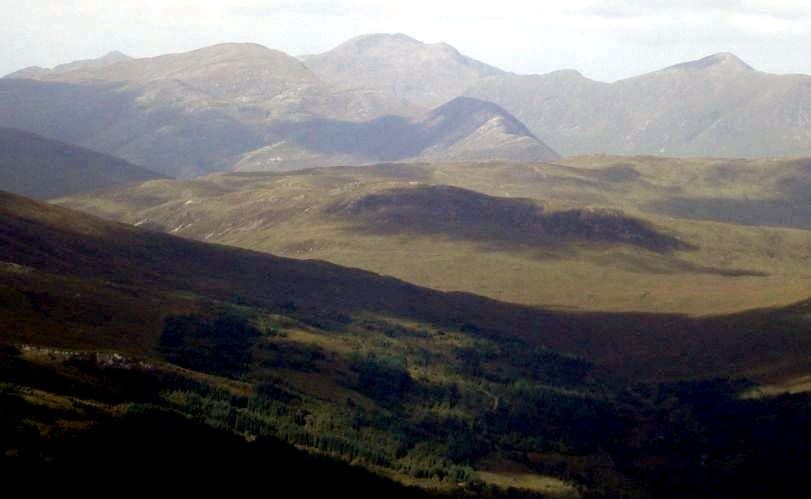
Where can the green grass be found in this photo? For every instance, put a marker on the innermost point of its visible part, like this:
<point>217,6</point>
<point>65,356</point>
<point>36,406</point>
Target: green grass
<point>726,267</point>
<point>798,384</point>
<point>548,486</point>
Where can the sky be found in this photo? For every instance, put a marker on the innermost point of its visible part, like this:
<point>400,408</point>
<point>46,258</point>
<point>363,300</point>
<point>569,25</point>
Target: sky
<point>604,40</point>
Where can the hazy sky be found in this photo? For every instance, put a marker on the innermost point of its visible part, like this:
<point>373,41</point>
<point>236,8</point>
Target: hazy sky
<point>605,40</point>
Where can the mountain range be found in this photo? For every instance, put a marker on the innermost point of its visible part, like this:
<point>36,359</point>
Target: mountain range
<point>716,106</point>
<point>391,97</point>
<point>209,109</point>
<point>401,272</point>
<point>383,279</point>
<point>180,114</point>
<point>87,64</point>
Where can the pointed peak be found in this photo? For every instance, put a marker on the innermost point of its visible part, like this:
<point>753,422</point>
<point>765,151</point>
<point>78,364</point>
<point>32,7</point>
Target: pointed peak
<point>404,38</point>
<point>721,60</point>
<point>115,55</point>
<point>465,108</point>
<point>232,47</point>
<point>726,59</point>
<point>236,51</point>
<point>376,39</point>
<point>468,104</point>
<point>567,74</point>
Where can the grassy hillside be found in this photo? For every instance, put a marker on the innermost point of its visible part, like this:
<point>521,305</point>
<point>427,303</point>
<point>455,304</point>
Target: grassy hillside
<point>451,392</point>
<point>772,192</point>
<point>61,264</point>
<point>554,235</point>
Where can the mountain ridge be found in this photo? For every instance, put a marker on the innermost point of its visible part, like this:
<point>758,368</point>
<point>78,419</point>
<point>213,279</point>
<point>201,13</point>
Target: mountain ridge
<point>460,130</point>
<point>224,105</point>
<point>714,106</point>
<point>186,114</point>
<point>236,104</point>
<point>107,59</point>
<point>727,60</point>
<point>425,74</point>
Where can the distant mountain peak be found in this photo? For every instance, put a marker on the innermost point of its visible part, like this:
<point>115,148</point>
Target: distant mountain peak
<point>402,36</point>
<point>469,111</point>
<point>238,49</point>
<point>463,109</point>
<point>374,40</point>
<point>468,128</point>
<point>115,55</point>
<point>397,65</point>
<point>721,60</point>
<point>386,44</point>
<point>466,104</point>
<point>567,74</point>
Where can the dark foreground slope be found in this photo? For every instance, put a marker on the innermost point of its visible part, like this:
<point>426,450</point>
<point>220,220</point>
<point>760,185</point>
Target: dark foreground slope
<point>114,335</point>
<point>33,165</point>
<point>94,443</point>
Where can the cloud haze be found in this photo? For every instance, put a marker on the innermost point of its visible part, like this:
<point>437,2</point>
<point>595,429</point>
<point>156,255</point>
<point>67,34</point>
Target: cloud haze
<point>606,40</point>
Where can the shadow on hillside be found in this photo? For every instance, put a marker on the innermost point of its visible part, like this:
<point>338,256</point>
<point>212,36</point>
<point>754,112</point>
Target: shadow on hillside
<point>177,141</point>
<point>496,222</point>
<point>774,212</point>
<point>388,138</point>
